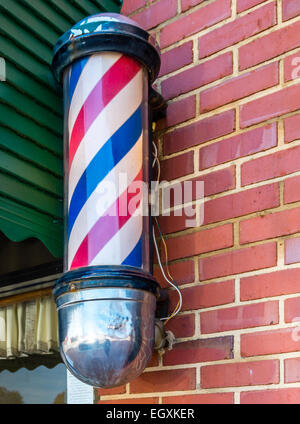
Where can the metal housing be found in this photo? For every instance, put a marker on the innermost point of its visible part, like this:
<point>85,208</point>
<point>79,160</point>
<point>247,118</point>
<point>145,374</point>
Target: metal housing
<point>107,313</point>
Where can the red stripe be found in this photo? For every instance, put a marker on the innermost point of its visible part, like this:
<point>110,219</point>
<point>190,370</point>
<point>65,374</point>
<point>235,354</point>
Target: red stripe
<point>112,82</point>
<point>107,226</point>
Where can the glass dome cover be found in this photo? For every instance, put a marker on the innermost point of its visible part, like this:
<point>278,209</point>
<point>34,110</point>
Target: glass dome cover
<point>106,32</point>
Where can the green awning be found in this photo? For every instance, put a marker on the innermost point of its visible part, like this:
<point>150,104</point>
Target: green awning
<point>31,127</point>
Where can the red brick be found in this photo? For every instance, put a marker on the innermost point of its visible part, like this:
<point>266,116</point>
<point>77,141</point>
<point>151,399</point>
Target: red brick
<point>292,309</point>
<point>292,370</point>
<point>154,361</point>
<point>204,296</point>
<point>218,181</point>
<point>247,4</point>
<point>213,183</point>
<point>113,391</point>
<point>199,132</point>
<point>195,22</point>
<point>275,396</point>
<point>205,399</point>
<point>197,76</point>
<point>292,190</point>
<point>237,317</point>
<point>292,128</point>
<point>241,203</point>
<point>269,342</point>
<point>164,381</point>
<point>130,401</point>
<point>177,166</point>
<point>270,106</point>
<point>182,326</point>
<point>240,374</point>
<point>176,58</point>
<point>200,242</point>
<point>188,4</point>
<point>268,226</point>
<point>292,67</point>
<point>238,261</point>
<point>238,30</point>
<point>156,14</point>
<point>292,250</point>
<point>240,145</point>
<point>274,165</point>
<point>182,272</point>
<point>130,6</point>
<point>269,46</point>
<point>271,284</point>
<point>173,223</point>
<point>180,111</point>
<point>290,9</point>
<point>203,350</point>
<point>239,87</point>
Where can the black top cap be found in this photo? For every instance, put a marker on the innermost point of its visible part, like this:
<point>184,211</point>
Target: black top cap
<point>106,276</point>
<point>106,32</point>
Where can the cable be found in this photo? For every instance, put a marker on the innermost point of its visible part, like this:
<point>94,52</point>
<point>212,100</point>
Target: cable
<point>158,164</point>
<point>170,280</point>
<point>166,250</point>
<point>177,309</point>
<point>155,154</point>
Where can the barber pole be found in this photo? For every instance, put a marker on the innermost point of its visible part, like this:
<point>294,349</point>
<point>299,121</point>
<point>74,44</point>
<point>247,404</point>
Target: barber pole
<point>106,298</point>
<point>105,160</point>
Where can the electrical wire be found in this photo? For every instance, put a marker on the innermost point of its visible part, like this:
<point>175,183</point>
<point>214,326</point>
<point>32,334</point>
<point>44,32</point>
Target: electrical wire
<point>158,164</point>
<point>155,154</point>
<point>179,304</point>
<point>166,250</point>
<point>170,280</point>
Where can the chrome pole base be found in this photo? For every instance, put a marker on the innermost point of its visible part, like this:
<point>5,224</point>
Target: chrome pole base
<point>106,323</point>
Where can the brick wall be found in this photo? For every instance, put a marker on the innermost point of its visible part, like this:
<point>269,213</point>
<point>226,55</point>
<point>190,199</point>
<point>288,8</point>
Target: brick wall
<point>229,72</point>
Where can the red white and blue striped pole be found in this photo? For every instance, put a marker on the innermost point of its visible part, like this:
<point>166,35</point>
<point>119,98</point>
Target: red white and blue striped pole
<point>106,298</point>
<point>105,127</point>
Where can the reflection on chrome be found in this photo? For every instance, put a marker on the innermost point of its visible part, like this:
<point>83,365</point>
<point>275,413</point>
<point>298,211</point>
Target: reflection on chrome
<point>106,334</point>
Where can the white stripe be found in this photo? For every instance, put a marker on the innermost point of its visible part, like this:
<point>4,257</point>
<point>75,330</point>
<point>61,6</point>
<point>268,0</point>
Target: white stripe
<point>93,71</point>
<point>89,214</point>
<point>116,113</point>
<point>121,244</point>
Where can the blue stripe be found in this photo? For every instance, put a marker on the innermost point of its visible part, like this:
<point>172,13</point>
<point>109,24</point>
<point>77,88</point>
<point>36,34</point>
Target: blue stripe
<point>107,158</point>
<point>135,256</point>
<point>76,71</point>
